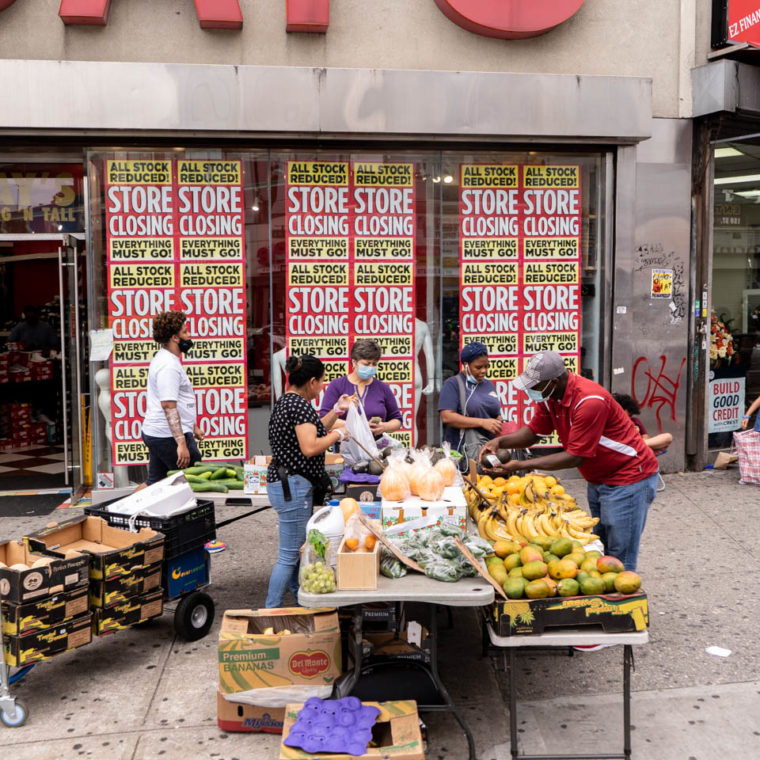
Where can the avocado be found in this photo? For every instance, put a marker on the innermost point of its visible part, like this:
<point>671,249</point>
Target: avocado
<point>375,468</point>
<point>503,455</point>
<point>361,467</point>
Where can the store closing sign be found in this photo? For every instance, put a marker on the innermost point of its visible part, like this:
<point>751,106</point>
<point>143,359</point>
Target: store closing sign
<point>174,235</point>
<point>726,402</point>
<point>520,265</point>
<point>350,268</point>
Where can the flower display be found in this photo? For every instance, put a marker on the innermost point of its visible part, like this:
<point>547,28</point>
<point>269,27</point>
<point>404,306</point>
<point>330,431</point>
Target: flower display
<point>721,342</point>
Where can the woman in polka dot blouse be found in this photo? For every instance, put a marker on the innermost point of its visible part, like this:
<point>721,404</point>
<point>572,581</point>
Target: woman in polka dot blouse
<point>298,439</point>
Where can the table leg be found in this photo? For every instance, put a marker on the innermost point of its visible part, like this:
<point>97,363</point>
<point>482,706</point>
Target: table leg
<point>627,659</point>
<point>512,703</point>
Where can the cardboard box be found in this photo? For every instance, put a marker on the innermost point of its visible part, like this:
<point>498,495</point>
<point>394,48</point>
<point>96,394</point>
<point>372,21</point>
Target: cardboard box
<point>371,509</point>
<point>122,588</point>
<point>62,574</point>
<point>396,733</point>
<point>20,619</point>
<point>138,609</point>
<point>236,717</point>
<point>615,613</point>
<point>362,491</point>
<point>385,645</point>
<point>112,551</point>
<point>359,570</point>
<point>451,508</point>
<point>250,659</point>
<point>39,645</point>
<point>255,474</point>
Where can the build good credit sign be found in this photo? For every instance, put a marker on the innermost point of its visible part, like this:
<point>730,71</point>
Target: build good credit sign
<point>726,404</point>
<point>175,240</point>
<point>350,268</point>
<point>520,268</point>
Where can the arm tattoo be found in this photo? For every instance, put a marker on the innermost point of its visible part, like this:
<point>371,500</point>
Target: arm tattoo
<point>175,425</point>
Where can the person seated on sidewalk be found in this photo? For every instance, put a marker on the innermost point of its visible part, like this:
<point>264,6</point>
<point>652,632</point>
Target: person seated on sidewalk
<point>658,443</point>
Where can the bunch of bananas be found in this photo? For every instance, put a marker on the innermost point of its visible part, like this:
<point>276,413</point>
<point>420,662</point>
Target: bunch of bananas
<point>521,508</point>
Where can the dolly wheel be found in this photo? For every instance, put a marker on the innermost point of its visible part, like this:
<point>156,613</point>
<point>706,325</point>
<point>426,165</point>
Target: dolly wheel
<point>15,717</point>
<point>194,616</point>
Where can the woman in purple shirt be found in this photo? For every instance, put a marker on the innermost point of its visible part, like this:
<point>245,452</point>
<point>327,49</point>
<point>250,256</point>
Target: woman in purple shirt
<point>374,395</point>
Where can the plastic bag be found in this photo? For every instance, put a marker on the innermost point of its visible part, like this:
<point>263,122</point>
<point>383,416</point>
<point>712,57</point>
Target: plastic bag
<point>440,570</point>
<point>358,429</point>
<point>747,444</point>
<point>391,567</point>
<point>357,536</point>
<point>447,467</point>
<point>394,484</point>
<point>430,485</point>
<point>420,466</point>
<point>315,575</point>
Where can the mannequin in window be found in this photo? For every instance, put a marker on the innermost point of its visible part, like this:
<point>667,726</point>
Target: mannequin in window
<point>103,381</point>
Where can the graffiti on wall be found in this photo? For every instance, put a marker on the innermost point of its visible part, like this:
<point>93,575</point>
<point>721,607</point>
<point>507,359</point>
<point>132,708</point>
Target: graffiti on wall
<point>655,387</point>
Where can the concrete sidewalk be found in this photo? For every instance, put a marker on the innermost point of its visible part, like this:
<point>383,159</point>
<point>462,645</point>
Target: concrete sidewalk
<point>143,693</point>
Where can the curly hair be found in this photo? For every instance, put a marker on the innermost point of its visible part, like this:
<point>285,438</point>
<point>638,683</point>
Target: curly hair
<point>166,324</point>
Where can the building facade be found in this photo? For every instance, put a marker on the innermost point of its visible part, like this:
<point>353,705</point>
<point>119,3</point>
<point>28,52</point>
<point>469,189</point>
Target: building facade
<point>556,169</point>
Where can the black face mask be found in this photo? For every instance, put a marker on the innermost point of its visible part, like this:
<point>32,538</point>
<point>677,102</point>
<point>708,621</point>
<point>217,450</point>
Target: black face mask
<point>185,345</point>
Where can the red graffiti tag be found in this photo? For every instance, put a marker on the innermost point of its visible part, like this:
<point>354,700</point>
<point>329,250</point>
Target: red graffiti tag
<point>661,389</point>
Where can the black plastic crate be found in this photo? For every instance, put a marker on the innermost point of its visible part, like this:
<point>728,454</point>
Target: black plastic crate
<point>183,532</point>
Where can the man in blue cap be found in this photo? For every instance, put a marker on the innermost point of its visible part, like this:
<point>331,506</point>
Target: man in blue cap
<point>598,438</point>
<point>469,404</point>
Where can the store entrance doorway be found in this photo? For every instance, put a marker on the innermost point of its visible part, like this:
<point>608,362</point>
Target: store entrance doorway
<point>43,372</point>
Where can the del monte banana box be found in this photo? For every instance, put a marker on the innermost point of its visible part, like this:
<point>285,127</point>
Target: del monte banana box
<point>112,551</point>
<point>290,646</point>
<point>615,613</point>
<point>26,575</point>
<point>39,645</point>
<point>20,619</point>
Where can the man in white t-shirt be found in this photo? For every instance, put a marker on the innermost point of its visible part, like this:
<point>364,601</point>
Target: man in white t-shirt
<point>170,429</point>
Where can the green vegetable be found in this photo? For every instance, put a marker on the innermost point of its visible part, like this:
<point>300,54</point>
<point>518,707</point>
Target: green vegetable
<point>193,478</point>
<point>205,475</point>
<point>232,473</point>
<point>198,469</point>
<point>391,567</point>
<point>219,473</point>
<point>232,483</point>
<point>318,542</point>
<point>206,486</point>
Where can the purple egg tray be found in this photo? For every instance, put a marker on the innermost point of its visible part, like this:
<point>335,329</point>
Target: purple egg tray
<point>333,725</point>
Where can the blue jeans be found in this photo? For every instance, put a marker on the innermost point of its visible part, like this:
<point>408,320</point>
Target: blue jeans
<point>292,517</point>
<point>622,513</point>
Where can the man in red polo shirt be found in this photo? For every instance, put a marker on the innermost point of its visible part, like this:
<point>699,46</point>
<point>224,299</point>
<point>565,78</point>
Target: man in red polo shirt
<point>598,438</point>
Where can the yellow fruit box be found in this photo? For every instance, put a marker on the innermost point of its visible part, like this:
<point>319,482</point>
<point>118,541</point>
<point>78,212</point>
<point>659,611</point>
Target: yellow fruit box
<point>615,613</point>
<point>302,649</point>
<point>396,733</point>
<point>39,645</point>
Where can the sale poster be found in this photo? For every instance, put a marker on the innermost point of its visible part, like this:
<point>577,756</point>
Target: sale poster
<point>350,231</point>
<point>520,269</point>
<point>175,241</point>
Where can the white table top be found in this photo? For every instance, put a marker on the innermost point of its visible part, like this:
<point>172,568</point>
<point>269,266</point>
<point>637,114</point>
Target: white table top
<point>568,637</point>
<point>413,587</point>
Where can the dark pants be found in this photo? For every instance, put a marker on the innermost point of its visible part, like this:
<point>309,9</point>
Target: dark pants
<point>163,455</point>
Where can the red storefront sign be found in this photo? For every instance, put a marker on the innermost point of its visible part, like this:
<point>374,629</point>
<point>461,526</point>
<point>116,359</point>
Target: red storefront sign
<point>509,19</point>
<point>743,21</point>
<point>506,19</point>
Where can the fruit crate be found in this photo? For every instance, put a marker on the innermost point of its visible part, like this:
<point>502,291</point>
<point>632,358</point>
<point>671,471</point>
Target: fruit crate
<point>184,532</point>
<point>614,613</point>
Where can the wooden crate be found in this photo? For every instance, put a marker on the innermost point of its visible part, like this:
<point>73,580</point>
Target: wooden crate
<point>358,571</point>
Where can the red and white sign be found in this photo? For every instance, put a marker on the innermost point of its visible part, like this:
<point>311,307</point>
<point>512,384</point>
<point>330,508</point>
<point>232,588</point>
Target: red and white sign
<point>726,404</point>
<point>520,268</point>
<point>350,268</point>
<point>743,21</point>
<point>175,241</point>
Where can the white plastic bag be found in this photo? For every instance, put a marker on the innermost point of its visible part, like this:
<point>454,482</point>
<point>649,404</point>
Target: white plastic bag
<point>358,429</point>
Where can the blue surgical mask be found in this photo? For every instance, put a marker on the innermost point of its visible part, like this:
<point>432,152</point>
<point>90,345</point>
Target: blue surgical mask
<point>366,372</point>
<point>470,379</point>
<point>538,396</point>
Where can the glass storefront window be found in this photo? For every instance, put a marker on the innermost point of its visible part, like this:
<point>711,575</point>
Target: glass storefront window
<point>734,345</point>
<point>401,207</point>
